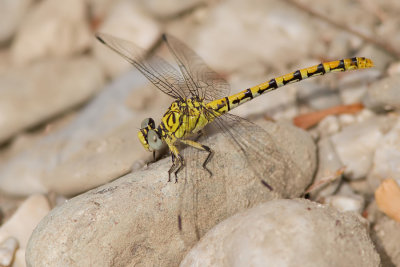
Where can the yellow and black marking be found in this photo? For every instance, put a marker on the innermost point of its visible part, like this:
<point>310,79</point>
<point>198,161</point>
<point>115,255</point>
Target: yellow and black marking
<point>224,105</point>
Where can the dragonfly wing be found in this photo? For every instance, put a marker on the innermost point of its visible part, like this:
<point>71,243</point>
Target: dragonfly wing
<point>164,76</point>
<point>270,163</point>
<point>201,80</point>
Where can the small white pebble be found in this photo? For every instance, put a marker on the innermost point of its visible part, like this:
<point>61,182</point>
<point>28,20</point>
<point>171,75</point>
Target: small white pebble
<point>363,115</point>
<point>346,203</point>
<point>7,251</point>
<point>329,125</point>
<point>346,119</point>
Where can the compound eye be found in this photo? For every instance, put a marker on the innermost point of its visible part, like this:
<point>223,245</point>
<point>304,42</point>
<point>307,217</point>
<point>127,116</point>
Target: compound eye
<point>146,122</point>
<point>154,140</point>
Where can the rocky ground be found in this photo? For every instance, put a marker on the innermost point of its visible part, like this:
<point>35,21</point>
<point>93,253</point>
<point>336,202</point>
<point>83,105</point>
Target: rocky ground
<point>75,189</point>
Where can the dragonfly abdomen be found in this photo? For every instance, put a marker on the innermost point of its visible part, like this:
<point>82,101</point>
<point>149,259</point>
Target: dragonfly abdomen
<point>225,104</point>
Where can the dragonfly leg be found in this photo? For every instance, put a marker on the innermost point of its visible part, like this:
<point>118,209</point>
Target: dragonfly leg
<point>201,147</point>
<point>177,164</point>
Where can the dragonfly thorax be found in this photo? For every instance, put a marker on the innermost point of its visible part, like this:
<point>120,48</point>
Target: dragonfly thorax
<point>184,117</point>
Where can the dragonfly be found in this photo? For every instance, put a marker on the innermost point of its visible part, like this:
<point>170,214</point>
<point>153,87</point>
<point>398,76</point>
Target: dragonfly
<point>201,96</point>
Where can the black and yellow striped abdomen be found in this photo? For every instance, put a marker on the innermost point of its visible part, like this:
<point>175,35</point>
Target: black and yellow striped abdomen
<point>223,105</point>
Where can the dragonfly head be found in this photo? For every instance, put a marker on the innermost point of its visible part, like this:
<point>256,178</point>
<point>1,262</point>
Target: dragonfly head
<point>149,136</point>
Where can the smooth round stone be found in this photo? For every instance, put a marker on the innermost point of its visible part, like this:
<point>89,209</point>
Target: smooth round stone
<point>99,145</point>
<point>286,233</point>
<point>383,94</point>
<point>7,251</point>
<point>25,219</point>
<point>11,14</point>
<point>328,126</point>
<point>328,166</point>
<point>354,85</point>
<point>291,37</point>
<point>386,236</point>
<point>52,29</point>
<point>356,145</point>
<point>135,219</point>
<point>345,203</point>
<point>52,87</point>
<point>129,21</point>
<point>386,160</point>
<point>318,96</point>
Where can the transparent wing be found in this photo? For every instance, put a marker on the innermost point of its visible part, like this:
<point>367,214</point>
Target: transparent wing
<point>164,76</point>
<point>200,79</point>
<point>259,150</point>
<point>202,198</point>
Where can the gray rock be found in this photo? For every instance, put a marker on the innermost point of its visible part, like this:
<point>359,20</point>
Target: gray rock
<point>386,160</point>
<point>354,85</point>
<point>328,126</point>
<point>386,236</point>
<point>286,233</point>
<point>383,94</point>
<point>328,166</point>
<point>356,145</point>
<point>52,29</point>
<point>345,203</point>
<point>97,146</point>
<point>126,20</point>
<point>7,251</point>
<point>25,219</point>
<point>241,35</point>
<point>33,94</point>
<point>134,220</point>
<point>11,14</point>
<point>318,96</point>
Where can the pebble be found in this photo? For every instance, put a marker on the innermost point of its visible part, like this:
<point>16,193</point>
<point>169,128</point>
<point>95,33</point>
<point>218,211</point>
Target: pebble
<point>328,166</point>
<point>126,20</point>
<point>386,160</point>
<point>98,145</point>
<point>346,200</point>
<point>353,85</point>
<point>386,236</point>
<point>52,29</point>
<point>318,96</point>
<point>383,94</point>
<point>270,233</point>
<point>290,34</point>
<point>364,115</point>
<point>135,217</point>
<point>25,219</point>
<point>346,203</point>
<point>346,119</point>
<point>356,144</point>
<point>381,58</point>
<point>11,15</point>
<point>7,251</point>
<point>328,126</point>
<point>44,90</point>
